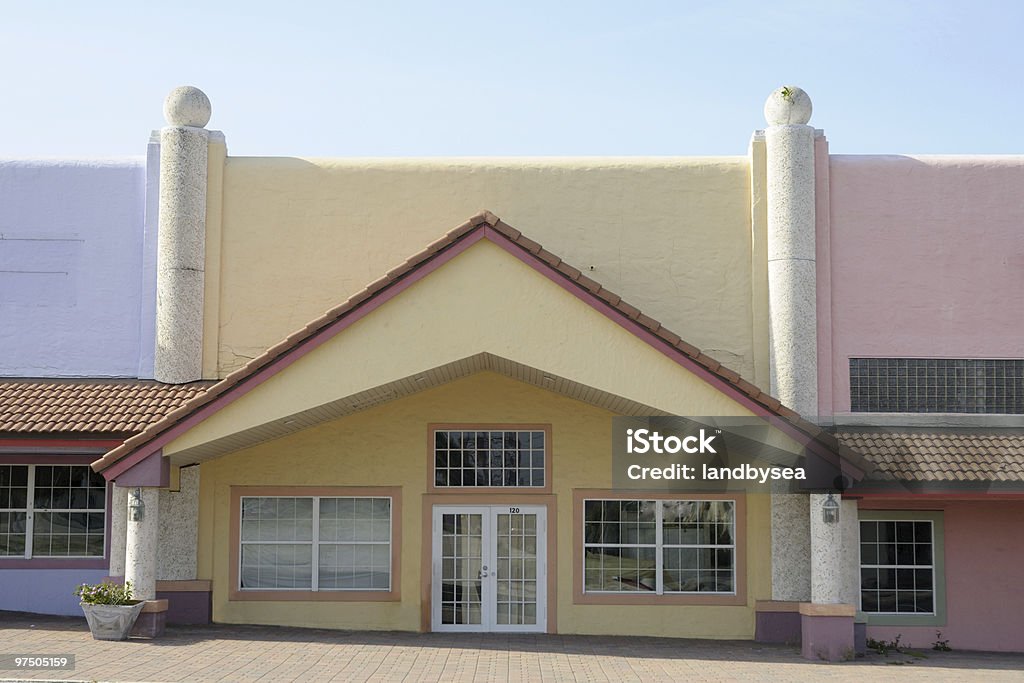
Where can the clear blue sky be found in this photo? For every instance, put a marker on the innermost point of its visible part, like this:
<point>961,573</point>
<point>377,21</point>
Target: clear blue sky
<point>378,78</point>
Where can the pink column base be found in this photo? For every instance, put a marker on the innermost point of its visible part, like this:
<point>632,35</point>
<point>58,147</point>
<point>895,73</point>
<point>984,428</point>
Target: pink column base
<point>827,638</point>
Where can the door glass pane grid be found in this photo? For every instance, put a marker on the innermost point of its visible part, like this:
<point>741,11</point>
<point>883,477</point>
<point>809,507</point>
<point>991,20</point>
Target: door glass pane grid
<point>517,568</point>
<point>489,458</point>
<point>461,567</point>
<point>13,509</point>
<point>897,570</point>
<point>671,546</point>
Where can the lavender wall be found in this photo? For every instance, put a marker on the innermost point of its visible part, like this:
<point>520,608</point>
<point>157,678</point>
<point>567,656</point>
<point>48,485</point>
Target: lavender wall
<point>71,252</point>
<point>45,591</point>
<point>927,260</point>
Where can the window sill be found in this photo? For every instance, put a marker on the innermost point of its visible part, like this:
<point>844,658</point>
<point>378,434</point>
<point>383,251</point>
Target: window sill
<point>54,563</point>
<point>904,619</point>
<point>313,596</point>
<point>694,599</point>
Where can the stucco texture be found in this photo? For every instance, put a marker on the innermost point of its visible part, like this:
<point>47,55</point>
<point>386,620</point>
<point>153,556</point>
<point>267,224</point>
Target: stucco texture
<point>671,236</point>
<point>387,446</point>
<point>71,267</point>
<point>925,260</point>
<point>482,300</point>
<point>984,569</point>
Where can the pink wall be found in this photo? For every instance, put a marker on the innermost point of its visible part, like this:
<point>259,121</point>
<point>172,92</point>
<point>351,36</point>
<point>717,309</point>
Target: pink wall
<point>927,260</point>
<point>984,576</point>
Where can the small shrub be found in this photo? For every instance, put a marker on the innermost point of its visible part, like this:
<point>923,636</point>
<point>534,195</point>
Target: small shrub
<point>106,593</point>
<point>940,644</point>
<point>883,647</point>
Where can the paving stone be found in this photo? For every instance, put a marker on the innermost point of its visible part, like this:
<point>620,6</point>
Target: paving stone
<point>267,653</point>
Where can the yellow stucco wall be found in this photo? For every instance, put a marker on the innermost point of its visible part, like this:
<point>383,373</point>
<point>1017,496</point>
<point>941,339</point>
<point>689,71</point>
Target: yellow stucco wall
<point>671,236</point>
<point>387,446</point>
<point>482,300</point>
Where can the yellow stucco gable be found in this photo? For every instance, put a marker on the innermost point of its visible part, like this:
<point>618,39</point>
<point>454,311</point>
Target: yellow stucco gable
<point>482,301</point>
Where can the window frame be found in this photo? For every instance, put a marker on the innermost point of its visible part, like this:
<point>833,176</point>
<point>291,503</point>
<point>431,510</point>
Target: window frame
<point>34,561</point>
<point>580,596</point>
<point>432,487</point>
<point>938,615</point>
<point>237,593</point>
<point>315,542</point>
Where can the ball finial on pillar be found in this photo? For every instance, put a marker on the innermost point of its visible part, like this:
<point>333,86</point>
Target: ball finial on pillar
<point>786,105</point>
<point>187,105</point>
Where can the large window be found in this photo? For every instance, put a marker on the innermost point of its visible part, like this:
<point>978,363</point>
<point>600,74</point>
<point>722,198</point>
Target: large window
<point>51,511</point>
<point>897,572</point>
<point>659,546</point>
<point>315,543</point>
<point>503,458</point>
<point>936,385</point>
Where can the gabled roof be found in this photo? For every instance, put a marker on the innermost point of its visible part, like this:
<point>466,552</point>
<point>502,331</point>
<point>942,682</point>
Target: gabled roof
<point>482,226</point>
<point>88,406</point>
<point>941,455</point>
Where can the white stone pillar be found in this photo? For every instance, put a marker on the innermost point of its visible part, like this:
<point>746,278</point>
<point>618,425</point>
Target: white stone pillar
<point>791,252</point>
<point>792,319</point>
<point>141,543</point>
<point>179,528</point>
<point>791,551</point>
<point>181,250</point>
<point>849,520</point>
<point>118,528</point>
<point>827,569</point>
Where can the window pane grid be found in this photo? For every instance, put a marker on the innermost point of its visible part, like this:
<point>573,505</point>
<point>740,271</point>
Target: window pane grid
<point>662,547</point>
<point>496,458</point>
<point>937,385</point>
<point>13,509</point>
<point>351,537</point>
<point>52,511</point>
<point>897,567</point>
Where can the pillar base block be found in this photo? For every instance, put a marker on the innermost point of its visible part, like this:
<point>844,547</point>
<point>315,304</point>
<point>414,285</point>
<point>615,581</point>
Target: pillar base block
<point>153,620</point>
<point>826,632</point>
<point>778,621</point>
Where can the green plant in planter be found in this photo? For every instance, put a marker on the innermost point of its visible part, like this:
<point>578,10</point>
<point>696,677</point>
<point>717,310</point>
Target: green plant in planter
<point>106,593</point>
<point>109,609</point>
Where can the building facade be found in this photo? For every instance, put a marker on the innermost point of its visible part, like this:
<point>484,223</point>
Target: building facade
<point>435,451</point>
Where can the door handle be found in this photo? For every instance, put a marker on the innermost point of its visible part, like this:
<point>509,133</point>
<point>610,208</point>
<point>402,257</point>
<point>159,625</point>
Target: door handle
<point>483,572</point>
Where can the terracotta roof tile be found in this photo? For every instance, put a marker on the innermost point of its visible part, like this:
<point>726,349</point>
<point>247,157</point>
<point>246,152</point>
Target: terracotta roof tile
<point>93,406</point>
<point>480,221</point>
<point>948,455</point>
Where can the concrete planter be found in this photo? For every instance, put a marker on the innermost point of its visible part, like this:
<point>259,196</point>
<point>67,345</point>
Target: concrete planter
<point>111,622</point>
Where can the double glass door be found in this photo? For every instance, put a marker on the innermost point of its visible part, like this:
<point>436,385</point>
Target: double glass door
<point>489,568</point>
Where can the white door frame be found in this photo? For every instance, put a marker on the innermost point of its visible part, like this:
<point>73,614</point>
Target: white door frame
<point>489,575</point>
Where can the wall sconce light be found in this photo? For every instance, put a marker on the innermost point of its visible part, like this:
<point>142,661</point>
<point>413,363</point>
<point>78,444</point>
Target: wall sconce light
<point>830,510</point>
<point>136,508</point>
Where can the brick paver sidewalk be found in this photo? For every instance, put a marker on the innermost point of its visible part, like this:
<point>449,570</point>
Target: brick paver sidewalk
<point>268,653</point>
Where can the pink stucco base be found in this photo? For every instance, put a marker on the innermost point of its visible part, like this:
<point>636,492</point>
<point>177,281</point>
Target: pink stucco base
<point>984,568</point>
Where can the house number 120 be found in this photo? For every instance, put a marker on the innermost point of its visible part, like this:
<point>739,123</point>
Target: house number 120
<point>513,511</point>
